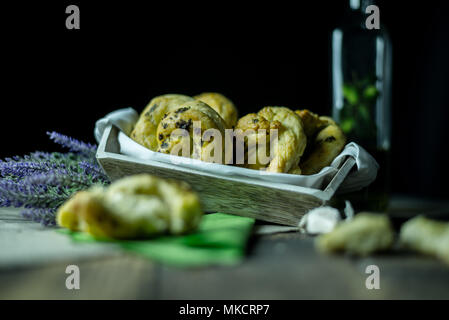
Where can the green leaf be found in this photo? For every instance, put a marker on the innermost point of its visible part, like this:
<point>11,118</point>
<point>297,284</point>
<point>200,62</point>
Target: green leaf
<point>350,93</point>
<point>364,113</point>
<point>219,240</point>
<point>347,125</point>
<point>370,92</point>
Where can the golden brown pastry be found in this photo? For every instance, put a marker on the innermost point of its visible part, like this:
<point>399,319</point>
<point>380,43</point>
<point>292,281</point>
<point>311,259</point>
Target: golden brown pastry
<point>365,234</point>
<point>326,141</point>
<point>291,139</point>
<point>311,122</point>
<point>175,132</point>
<point>426,236</point>
<point>133,207</point>
<point>144,131</point>
<point>253,144</point>
<point>295,170</point>
<point>224,107</point>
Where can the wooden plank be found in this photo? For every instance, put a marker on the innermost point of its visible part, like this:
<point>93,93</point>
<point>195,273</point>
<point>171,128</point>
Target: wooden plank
<point>119,277</point>
<point>280,266</point>
<point>284,266</point>
<point>23,242</point>
<point>338,179</point>
<point>287,266</point>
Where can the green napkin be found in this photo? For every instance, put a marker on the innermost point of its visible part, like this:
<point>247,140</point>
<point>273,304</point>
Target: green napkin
<point>220,239</point>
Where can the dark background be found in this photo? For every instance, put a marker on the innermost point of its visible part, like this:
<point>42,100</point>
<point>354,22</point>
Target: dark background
<point>256,54</point>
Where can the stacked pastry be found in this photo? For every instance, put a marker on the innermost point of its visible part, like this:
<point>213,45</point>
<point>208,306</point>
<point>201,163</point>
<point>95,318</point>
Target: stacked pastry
<point>275,139</point>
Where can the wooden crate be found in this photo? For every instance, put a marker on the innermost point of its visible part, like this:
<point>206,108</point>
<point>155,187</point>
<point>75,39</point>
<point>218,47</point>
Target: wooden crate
<point>272,202</point>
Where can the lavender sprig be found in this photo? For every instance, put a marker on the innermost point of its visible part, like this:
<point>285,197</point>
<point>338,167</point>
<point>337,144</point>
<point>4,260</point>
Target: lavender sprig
<point>94,171</point>
<point>35,162</point>
<point>42,181</point>
<point>23,169</point>
<point>63,177</point>
<point>19,194</point>
<point>45,216</point>
<point>73,144</point>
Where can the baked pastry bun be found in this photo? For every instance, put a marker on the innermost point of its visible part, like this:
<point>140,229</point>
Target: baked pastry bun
<point>224,107</point>
<point>145,130</point>
<point>312,123</point>
<point>256,142</point>
<point>286,149</point>
<point>185,132</point>
<point>326,141</point>
<point>133,207</point>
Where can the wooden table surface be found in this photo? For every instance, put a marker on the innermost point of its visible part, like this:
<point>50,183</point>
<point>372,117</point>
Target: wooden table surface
<point>277,266</point>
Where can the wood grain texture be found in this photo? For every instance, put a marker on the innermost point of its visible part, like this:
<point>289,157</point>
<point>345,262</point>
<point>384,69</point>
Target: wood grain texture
<point>280,266</point>
<point>272,202</point>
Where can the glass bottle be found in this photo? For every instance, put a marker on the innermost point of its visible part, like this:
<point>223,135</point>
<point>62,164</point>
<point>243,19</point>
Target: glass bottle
<point>361,95</point>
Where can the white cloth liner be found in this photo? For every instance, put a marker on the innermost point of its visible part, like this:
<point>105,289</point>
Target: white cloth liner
<point>363,175</point>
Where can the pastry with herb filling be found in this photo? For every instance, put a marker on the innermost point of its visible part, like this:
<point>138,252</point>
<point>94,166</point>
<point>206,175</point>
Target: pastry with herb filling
<point>137,206</point>
<point>365,234</point>
<point>426,236</point>
<point>325,142</point>
<point>191,131</point>
<point>145,130</point>
<point>224,107</point>
<point>289,144</point>
<point>253,141</point>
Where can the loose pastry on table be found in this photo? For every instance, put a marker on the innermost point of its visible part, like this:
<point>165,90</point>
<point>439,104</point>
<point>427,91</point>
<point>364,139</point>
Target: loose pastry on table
<point>224,107</point>
<point>133,207</point>
<point>365,234</point>
<point>196,119</point>
<point>426,236</point>
<point>289,144</point>
<point>145,130</point>
<point>325,141</point>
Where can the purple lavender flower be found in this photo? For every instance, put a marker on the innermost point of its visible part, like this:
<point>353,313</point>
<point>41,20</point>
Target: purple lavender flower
<point>73,144</point>
<point>41,181</point>
<point>62,177</point>
<point>19,193</point>
<point>45,216</point>
<point>23,169</point>
<point>94,170</point>
<point>39,162</point>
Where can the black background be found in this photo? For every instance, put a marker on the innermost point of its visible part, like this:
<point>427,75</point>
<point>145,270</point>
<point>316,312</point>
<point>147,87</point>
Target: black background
<point>257,54</point>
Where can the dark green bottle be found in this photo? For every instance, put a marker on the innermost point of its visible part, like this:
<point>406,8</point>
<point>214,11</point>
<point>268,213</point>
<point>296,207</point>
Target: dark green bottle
<point>361,93</point>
